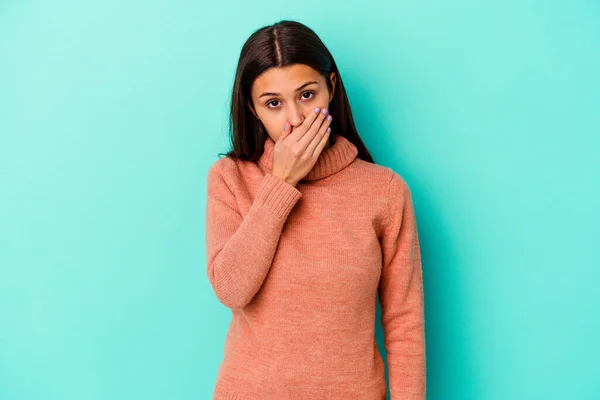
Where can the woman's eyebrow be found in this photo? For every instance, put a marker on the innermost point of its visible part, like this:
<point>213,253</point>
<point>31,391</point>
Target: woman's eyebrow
<point>278,94</point>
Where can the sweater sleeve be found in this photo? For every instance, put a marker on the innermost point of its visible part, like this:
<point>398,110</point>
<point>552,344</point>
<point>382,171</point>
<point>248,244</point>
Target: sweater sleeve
<point>240,250</point>
<point>401,296</point>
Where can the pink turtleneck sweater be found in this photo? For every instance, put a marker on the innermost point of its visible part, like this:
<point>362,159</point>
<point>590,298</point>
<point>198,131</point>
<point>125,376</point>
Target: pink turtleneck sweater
<point>300,268</point>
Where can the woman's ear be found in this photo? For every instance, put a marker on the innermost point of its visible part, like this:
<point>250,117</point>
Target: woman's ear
<point>332,78</point>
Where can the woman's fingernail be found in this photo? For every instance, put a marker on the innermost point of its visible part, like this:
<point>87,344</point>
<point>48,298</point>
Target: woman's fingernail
<point>317,109</point>
<point>325,111</point>
<point>329,117</point>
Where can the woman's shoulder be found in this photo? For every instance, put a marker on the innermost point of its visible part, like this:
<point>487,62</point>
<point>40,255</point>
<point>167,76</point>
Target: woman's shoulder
<point>379,175</point>
<point>222,165</point>
<point>222,171</point>
<point>233,172</point>
<point>227,167</point>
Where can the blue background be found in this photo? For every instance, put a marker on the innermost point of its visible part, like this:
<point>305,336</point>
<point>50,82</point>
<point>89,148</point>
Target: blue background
<point>111,113</point>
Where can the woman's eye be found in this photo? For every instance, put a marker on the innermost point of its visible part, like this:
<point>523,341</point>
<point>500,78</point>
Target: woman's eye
<point>271,105</point>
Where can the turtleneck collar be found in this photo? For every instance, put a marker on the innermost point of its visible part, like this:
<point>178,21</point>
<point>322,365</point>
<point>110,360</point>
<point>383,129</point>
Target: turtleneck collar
<point>331,160</point>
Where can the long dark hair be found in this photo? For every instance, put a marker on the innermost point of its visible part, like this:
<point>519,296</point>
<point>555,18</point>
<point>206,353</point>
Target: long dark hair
<point>284,43</point>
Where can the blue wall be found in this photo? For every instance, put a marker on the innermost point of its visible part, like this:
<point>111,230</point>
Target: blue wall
<point>111,113</point>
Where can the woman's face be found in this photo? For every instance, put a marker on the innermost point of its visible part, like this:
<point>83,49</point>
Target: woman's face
<point>289,94</point>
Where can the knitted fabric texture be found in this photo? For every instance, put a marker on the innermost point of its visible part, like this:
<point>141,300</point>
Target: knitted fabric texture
<point>300,268</point>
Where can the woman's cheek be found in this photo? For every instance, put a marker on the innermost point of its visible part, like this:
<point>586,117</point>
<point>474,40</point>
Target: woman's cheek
<point>275,126</point>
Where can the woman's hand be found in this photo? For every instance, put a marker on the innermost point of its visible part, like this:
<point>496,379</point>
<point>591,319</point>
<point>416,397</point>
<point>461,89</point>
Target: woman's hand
<point>296,153</point>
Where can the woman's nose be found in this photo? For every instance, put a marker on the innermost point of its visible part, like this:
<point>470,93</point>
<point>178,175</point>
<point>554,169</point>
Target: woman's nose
<point>295,117</point>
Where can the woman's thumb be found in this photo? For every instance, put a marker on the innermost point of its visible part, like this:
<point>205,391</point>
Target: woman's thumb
<point>286,131</point>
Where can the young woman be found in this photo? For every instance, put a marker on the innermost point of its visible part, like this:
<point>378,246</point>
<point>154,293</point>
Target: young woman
<point>303,232</point>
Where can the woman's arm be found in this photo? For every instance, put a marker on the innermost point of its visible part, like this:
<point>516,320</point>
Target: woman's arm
<point>401,296</point>
<point>240,250</point>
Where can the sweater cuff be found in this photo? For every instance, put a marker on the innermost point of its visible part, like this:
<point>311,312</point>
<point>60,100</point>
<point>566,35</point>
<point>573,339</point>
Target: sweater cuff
<point>277,195</point>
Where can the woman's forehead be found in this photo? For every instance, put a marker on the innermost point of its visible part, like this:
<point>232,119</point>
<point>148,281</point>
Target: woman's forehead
<point>285,79</point>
